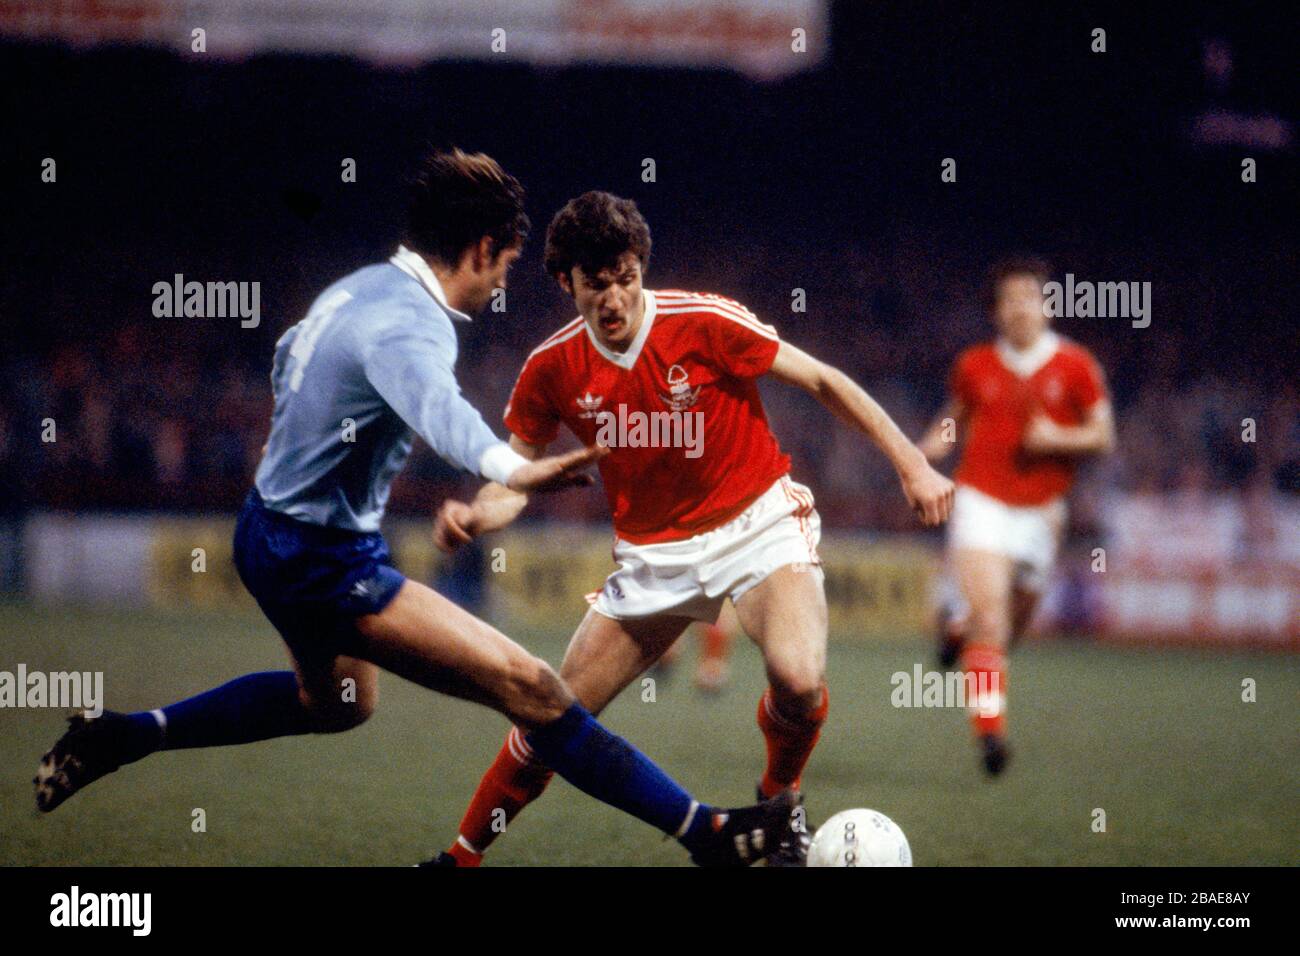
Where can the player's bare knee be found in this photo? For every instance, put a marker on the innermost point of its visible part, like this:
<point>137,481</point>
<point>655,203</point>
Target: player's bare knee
<point>335,717</point>
<point>535,695</point>
<point>798,690</point>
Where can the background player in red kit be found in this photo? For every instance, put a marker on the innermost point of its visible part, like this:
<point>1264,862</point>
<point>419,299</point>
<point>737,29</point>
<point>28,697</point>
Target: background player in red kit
<point>714,515</point>
<point>1029,405</point>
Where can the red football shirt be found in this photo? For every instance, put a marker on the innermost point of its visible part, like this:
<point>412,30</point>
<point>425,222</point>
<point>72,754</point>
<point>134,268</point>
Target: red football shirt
<point>695,355</point>
<point>999,403</point>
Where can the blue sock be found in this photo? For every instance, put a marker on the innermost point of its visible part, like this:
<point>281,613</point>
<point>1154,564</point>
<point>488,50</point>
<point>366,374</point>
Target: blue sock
<point>610,769</point>
<point>252,707</point>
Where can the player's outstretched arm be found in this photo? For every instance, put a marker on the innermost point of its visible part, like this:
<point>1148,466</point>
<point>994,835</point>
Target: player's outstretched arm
<point>928,492</point>
<point>496,505</point>
<point>941,437</point>
<point>493,508</point>
<point>557,472</point>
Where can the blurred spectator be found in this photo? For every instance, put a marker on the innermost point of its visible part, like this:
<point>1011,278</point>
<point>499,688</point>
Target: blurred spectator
<point>154,421</point>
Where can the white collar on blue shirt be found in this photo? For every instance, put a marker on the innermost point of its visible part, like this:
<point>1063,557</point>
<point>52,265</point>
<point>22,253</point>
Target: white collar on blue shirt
<point>413,264</point>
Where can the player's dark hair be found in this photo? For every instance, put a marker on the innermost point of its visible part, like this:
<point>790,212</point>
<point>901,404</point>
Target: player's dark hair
<point>1011,266</point>
<point>593,232</point>
<point>457,198</point>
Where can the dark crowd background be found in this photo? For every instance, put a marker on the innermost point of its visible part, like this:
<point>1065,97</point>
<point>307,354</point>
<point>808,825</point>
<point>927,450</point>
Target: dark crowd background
<point>828,181</point>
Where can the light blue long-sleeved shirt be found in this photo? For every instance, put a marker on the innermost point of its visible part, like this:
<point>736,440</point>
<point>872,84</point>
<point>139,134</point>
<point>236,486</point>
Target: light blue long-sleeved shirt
<point>371,364</point>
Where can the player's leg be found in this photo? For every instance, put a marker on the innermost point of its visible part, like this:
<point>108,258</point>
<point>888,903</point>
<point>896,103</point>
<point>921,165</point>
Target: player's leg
<point>1037,533</point>
<point>785,615</point>
<point>428,640</point>
<point>1024,604</point>
<point>324,693</point>
<point>985,579</point>
<point>308,581</point>
<point>338,692</point>
<point>423,637</point>
<point>711,670</point>
<point>666,665</point>
<point>604,656</point>
<point>952,615</point>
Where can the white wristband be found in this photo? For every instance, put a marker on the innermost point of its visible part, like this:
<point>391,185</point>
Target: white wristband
<point>499,462</point>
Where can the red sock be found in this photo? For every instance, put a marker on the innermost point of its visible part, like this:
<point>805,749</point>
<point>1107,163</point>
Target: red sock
<point>790,742</point>
<point>988,665</point>
<point>514,780</point>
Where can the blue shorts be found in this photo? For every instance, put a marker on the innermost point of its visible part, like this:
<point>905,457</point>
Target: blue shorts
<point>312,581</point>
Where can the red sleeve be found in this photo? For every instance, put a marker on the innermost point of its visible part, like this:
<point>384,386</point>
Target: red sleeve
<point>960,381</point>
<point>1089,382</point>
<point>529,414</point>
<point>742,346</point>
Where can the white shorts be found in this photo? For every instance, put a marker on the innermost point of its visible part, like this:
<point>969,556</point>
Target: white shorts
<point>694,576</point>
<point>1029,535</point>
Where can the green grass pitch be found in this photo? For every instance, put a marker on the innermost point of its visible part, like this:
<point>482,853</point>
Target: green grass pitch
<point>1186,772</point>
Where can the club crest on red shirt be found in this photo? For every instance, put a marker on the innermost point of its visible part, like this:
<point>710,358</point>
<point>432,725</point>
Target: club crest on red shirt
<point>680,394</point>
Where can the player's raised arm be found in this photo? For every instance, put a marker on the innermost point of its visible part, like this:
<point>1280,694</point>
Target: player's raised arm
<point>928,492</point>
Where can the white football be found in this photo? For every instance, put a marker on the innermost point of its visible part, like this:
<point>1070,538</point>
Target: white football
<point>859,838</point>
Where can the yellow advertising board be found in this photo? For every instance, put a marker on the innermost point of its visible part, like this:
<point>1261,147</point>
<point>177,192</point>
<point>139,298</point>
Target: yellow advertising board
<point>539,575</point>
<point>191,564</point>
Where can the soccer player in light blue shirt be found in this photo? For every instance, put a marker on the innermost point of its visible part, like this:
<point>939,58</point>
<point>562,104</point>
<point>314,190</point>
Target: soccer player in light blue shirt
<point>371,366</point>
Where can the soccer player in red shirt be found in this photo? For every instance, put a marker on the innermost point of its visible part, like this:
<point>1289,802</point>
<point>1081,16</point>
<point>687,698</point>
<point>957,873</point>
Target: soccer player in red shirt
<point>703,505</point>
<point>1030,404</point>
